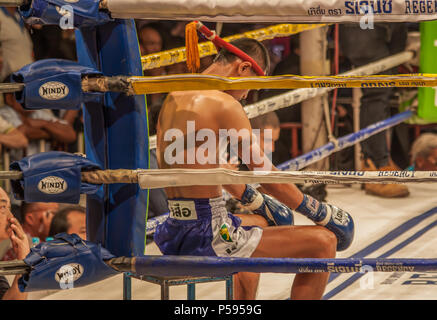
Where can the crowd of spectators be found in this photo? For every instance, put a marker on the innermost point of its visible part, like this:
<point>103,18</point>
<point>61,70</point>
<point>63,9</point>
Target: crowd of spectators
<point>23,132</point>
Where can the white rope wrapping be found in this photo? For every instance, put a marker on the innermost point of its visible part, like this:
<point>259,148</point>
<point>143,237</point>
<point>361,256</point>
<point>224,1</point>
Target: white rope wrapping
<point>162,178</point>
<point>296,96</point>
<point>303,11</point>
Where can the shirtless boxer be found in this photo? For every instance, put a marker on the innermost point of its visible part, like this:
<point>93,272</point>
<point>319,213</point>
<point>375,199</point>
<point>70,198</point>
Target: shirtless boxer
<point>199,223</point>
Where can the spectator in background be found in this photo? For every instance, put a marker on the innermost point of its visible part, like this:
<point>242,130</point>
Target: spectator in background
<point>289,56</point>
<point>151,38</point>
<point>360,47</point>
<point>71,219</point>
<point>9,136</point>
<point>266,142</point>
<point>177,29</point>
<point>15,41</point>
<point>289,64</point>
<point>424,153</point>
<point>268,121</point>
<point>36,218</point>
<point>36,125</point>
<point>10,229</point>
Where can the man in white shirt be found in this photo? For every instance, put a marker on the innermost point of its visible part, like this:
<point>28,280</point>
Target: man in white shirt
<point>15,42</point>
<point>10,137</point>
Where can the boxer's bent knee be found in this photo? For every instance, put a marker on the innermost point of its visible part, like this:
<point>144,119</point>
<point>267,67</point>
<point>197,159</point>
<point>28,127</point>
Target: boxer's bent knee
<point>252,220</point>
<point>325,243</point>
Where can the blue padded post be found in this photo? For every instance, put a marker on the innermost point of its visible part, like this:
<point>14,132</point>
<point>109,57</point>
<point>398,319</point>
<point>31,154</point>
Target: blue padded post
<point>116,136</point>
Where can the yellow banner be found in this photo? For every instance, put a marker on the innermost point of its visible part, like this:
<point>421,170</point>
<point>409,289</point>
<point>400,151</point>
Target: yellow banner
<point>173,56</point>
<point>184,82</point>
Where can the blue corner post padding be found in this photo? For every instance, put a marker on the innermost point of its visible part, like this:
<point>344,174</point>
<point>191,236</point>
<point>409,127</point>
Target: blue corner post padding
<point>52,177</point>
<point>64,263</point>
<point>67,14</point>
<point>54,84</point>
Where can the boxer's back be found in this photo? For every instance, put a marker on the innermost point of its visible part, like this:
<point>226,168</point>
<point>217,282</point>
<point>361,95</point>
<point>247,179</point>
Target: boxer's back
<point>190,116</point>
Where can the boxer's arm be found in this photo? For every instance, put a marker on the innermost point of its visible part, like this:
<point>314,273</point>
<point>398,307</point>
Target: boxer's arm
<point>331,217</point>
<point>236,190</point>
<point>234,117</point>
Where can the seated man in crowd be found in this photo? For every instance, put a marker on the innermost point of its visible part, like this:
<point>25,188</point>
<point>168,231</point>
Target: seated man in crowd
<point>36,125</point>
<point>15,41</point>
<point>36,218</point>
<point>424,153</point>
<point>10,229</point>
<point>71,219</point>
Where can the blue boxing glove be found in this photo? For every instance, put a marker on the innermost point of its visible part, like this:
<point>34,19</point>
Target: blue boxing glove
<point>52,177</point>
<point>275,212</point>
<point>64,263</point>
<point>54,84</point>
<point>332,218</point>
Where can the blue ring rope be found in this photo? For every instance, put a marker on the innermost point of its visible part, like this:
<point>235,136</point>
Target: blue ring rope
<point>220,266</point>
<point>343,142</point>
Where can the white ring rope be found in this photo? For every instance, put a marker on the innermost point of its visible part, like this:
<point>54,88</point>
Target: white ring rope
<point>302,11</point>
<point>162,178</point>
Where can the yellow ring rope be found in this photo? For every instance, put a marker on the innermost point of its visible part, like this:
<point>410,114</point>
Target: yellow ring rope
<point>184,82</point>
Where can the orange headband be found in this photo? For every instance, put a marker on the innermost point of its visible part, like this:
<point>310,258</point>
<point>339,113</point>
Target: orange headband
<point>192,50</point>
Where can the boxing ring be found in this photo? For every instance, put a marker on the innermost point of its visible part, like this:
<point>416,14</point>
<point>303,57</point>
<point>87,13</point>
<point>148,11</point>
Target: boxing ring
<point>117,212</point>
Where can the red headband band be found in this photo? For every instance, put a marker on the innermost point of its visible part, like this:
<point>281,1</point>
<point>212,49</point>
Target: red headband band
<point>220,43</point>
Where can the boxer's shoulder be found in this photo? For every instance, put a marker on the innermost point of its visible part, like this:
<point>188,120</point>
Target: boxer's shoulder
<point>200,97</point>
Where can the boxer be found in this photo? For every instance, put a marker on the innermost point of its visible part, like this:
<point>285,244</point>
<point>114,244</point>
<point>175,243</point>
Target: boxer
<point>199,223</point>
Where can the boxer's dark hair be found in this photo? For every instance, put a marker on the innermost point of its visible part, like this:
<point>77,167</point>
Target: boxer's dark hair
<point>251,47</point>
